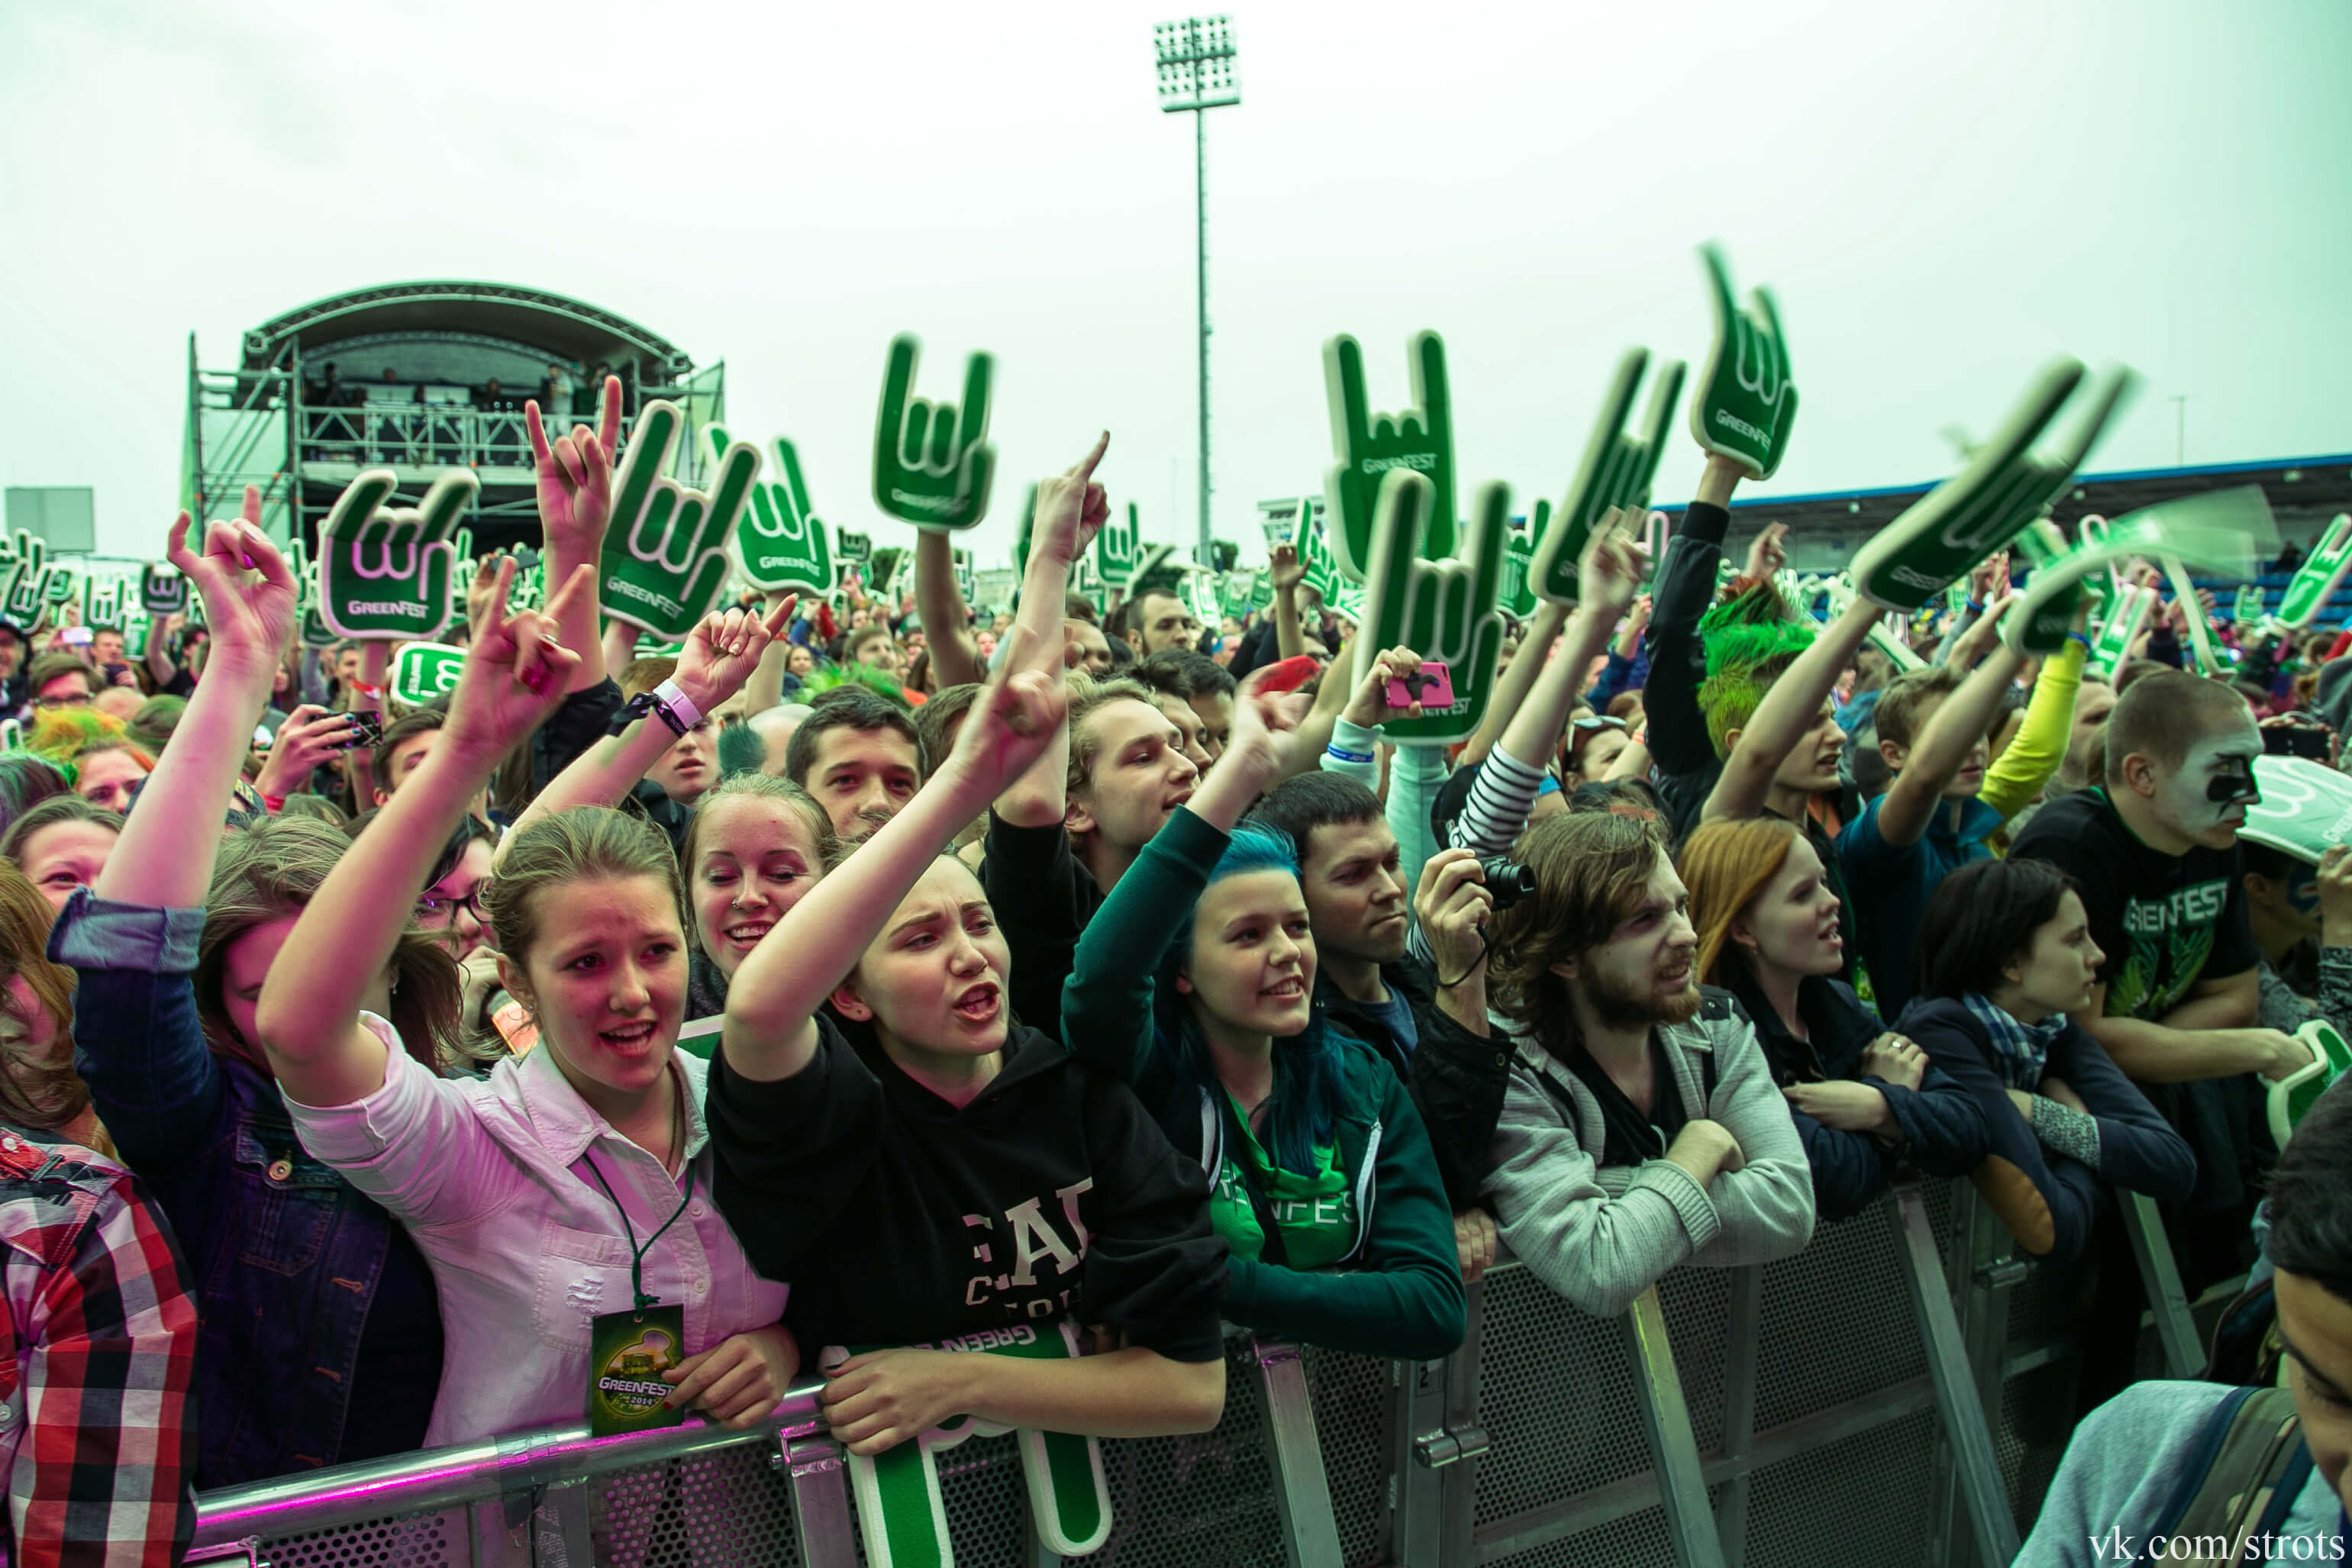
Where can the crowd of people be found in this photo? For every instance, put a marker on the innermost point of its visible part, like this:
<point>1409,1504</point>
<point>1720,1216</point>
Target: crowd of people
<point>872,974</point>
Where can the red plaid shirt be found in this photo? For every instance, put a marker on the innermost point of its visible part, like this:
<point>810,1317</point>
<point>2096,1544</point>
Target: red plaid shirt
<point>97,1419</point>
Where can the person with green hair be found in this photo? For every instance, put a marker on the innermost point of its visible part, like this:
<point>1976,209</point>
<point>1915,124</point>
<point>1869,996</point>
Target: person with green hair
<point>94,752</point>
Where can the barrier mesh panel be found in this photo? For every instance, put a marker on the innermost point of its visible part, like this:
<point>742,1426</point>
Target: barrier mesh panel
<point>1801,1512</point>
<point>720,1509</point>
<point>1556,1397</point>
<point>1351,1404</point>
<point>987,1501</point>
<point>1637,1540</point>
<point>2030,1433</point>
<point>1835,1326</point>
<point>426,1540</point>
<point>1837,1323</point>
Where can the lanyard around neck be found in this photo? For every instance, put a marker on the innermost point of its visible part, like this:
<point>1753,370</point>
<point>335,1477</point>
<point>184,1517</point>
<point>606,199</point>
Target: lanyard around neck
<point>636,1253</point>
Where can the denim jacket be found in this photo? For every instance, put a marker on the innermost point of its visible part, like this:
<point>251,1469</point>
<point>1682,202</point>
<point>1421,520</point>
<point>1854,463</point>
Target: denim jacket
<point>286,1255</point>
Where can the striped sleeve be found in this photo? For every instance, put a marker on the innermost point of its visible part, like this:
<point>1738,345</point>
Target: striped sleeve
<point>1502,797</point>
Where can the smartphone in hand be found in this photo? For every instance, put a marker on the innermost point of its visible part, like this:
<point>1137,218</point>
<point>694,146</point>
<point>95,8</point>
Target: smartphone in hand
<point>1431,686</point>
<point>367,729</point>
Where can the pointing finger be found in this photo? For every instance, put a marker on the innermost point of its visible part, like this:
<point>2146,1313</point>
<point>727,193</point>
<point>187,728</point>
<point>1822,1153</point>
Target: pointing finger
<point>176,550</point>
<point>559,603</point>
<point>1084,469</point>
<point>608,427</point>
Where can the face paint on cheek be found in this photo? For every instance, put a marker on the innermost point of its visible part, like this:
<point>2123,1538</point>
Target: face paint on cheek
<point>2215,781</point>
<point>2303,892</point>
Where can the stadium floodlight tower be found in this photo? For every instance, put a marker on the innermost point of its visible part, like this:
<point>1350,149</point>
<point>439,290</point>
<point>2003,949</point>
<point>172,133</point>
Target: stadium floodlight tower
<point>1196,75</point>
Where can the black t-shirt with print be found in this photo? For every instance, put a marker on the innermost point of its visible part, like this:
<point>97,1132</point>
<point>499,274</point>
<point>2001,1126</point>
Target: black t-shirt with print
<point>899,1218</point>
<point>2164,922</point>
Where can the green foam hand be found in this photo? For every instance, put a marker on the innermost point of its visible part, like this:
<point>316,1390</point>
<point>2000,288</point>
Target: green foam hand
<point>2247,609</point>
<point>2204,656</point>
<point>901,1511</point>
<point>386,575</point>
<point>315,632</point>
<point>2292,1097</point>
<point>1519,594</point>
<point>852,549</point>
<point>1885,634</point>
<point>1234,593</point>
<point>2127,612</point>
<point>1616,472</point>
<point>665,562</point>
<point>162,591</point>
<point>932,462</point>
<point>1116,548</point>
<point>2305,811</point>
<point>1323,572</point>
<point>1746,402</point>
<point>1201,592</point>
<point>424,671</point>
<point>2226,532</point>
<point>2005,486</point>
<point>102,603</point>
<point>1442,609</point>
<point>1021,536</point>
<point>1367,446</point>
<point>1152,568</point>
<point>31,586</point>
<point>2322,573</point>
<point>967,575</point>
<point>890,565</point>
<point>780,542</point>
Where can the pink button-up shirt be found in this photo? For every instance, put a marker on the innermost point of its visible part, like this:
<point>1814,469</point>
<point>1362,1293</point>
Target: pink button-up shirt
<point>492,1179</point>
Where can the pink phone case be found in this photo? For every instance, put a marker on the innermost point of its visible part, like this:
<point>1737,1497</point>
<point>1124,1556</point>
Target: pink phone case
<point>1436,688</point>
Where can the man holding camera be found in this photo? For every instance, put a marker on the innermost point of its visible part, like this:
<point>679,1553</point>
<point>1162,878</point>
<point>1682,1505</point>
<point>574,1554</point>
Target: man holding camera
<point>1429,1019</point>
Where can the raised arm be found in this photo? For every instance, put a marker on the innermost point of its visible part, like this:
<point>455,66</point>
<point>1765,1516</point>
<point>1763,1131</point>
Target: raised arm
<point>1283,568</point>
<point>1503,795</point>
<point>1610,576</point>
<point>1957,726</point>
<point>160,666</point>
<point>947,631</point>
<point>309,1015</point>
<point>1787,710</point>
<point>575,502</point>
<point>770,1032</point>
<point>164,858</point>
<point>1071,509</point>
<point>1511,690</point>
<point>718,656</point>
<point>139,1042</point>
<point>1686,589</point>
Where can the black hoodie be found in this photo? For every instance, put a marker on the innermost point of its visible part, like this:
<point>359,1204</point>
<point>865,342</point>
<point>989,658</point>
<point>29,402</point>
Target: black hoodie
<point>900,1219</point>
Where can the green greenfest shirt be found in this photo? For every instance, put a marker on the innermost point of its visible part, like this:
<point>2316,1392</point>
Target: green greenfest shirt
<point>1317,1214</point>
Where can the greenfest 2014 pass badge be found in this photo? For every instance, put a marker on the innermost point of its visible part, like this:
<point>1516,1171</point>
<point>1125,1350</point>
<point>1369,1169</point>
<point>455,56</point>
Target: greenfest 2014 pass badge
<point>627,1354</point>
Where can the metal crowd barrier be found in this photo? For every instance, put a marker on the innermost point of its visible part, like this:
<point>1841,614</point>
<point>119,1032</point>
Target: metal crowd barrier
<point>1855,1404</point>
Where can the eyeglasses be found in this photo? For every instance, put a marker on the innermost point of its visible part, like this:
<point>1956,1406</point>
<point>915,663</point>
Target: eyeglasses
<point>49,704</point>
<point>432,912</point>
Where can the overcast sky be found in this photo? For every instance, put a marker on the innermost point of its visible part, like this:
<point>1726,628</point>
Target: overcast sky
<point>1943,195</point>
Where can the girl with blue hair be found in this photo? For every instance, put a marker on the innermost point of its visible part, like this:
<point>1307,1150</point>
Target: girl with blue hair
<point>1195,982</point>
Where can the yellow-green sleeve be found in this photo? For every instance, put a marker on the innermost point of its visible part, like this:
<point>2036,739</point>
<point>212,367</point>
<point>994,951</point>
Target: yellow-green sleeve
<point>2011,783</point>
